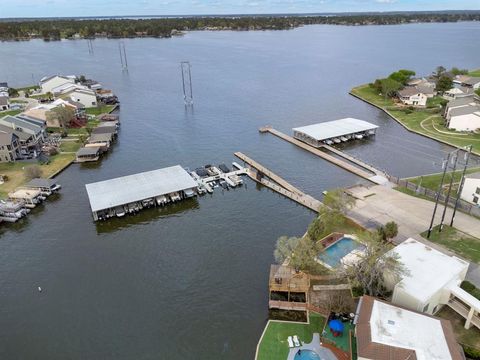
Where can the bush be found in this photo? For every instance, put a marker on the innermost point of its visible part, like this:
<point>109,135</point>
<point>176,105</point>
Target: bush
<point>33,172</point>
<point>471,289</point>
<point>471,353</point>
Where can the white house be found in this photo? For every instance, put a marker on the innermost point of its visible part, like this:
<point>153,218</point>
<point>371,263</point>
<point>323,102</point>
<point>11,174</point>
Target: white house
<point>432,280</point>
<point>86,97</point>
<point>412,96</point>
<point>472,82</point>
<point>388,332</point>
<point>47,84</point>
<point>471,188</point>
<point>456,92</point>
<point>464,118</point>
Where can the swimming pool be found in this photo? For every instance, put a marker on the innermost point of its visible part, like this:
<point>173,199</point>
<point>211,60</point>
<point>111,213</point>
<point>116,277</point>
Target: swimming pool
<point>307,355</point>
<point>335,252</point>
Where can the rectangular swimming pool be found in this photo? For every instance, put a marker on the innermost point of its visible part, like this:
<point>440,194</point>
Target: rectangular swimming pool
<point>335,252</point>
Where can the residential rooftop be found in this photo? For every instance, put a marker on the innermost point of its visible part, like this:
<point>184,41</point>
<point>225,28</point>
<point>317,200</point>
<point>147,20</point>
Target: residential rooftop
<point>428,269</point>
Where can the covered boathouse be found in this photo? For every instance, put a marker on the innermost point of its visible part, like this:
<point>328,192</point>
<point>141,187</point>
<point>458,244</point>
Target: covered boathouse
<point>334,132</point>
<point>115,197</point>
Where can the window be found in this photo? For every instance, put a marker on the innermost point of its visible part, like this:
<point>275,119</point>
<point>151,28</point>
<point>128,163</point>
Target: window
<point>425,308</point>
<point>477,191</point>
<point>475,199</point>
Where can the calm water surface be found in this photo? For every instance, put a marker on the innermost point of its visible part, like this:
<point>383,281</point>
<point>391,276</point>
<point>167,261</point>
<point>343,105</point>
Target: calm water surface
<point>190,281</point>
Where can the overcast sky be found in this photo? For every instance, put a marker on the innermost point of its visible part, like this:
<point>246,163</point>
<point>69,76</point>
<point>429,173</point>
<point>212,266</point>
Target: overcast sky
<point>49,8</point>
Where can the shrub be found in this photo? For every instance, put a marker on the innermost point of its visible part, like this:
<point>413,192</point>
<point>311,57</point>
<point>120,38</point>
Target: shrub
<point>33,172</point>
<point>471,353</point>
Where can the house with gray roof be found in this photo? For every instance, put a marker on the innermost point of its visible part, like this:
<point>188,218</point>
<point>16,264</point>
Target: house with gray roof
<point>464,118</point>
<point>33,133</point>
<point>412,96</point>
<point>9,146</point>
<point>472,82</point>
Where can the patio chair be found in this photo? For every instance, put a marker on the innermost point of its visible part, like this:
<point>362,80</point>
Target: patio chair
<point>290,342</point>
<point>296,341</point>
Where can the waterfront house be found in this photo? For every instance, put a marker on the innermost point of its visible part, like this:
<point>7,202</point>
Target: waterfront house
<point>47,84</point>
<point>46,186</point>
<point>31,132</point>
<point>4,87</point>
<point>412,96</point>
<point>388,332</point>
<point>103,140</point>
<point>457,92</point>
<point>4,103</point>
<point>44,112</point>
<point>471,188</point>
<point>9,146</point>
<point>432,280</point>
<point>82,95</point>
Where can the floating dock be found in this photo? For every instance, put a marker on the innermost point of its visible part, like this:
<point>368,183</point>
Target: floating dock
<point>264,176</point>
<point>126,194</point>
<point>360,168</point>
<point>334,132</point>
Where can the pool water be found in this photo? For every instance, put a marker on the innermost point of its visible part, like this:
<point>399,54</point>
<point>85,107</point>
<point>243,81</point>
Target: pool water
<point>307,355</point>
<point>335,252</point>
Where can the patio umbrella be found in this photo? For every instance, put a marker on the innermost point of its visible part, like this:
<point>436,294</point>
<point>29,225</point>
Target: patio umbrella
<point>336,325</point>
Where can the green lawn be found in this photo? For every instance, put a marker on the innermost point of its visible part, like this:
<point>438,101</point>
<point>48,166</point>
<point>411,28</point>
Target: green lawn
<point>31,87</point>
<point>69,146</point>
<point>411,193</point>
<point>433,181</point>
<point>460,243</point>
<point>475,73</point>
<point>274,345</point>
<point>104,109</point>
<point>10,112</point>
<point>469,337</point>
<point>424,121</point>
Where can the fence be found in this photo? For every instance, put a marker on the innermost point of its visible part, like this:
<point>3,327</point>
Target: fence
<point>462,205</point>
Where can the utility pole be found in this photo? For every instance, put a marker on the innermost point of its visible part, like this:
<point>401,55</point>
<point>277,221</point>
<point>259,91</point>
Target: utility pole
<point>462,180</point>
<point>449,190</point>
<point>90,46</point>
<point>445,166</point>
<point>123,55</point>
<point>187,83</point>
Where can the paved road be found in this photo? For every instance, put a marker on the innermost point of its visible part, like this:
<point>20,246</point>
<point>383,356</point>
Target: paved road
<point>377,205</point>
<point>380,204</point>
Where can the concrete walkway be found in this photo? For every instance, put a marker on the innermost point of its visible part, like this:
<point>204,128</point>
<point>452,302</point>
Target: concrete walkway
<point>380,204</point>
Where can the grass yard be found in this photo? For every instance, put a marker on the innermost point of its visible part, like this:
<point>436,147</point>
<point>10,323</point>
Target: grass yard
<point>423,121</point>
<point>469,337</point>
<point>475,73</point>
<point>460,243</point>
<point>274,345</point>
<point>69,146</point>
<point>433,181</point>
<point>10,112</point>
<point>104,109</point>
<point>16,171</point>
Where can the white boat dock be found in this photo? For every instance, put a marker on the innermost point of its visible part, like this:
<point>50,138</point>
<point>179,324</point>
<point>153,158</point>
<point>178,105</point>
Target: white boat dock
<point>127,194</point>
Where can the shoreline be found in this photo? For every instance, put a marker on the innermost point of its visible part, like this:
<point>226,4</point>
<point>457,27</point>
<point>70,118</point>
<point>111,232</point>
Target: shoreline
<point>404,125</point>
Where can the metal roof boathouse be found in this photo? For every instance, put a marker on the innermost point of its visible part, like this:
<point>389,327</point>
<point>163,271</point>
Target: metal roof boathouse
<point>336,131</point>
<point>115,197</point>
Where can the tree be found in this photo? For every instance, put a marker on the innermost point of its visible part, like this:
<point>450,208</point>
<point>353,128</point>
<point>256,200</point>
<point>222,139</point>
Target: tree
<point>444,83</point>
<point>12,92</point>
<point>375,267</point>
<point>61,114</point>
<point>284,248</point>
<point>338,200</point>
<point>390,87</point>
<point>439,71</point>
<point>391,230</point>
<point>32,172</point>
<point>402,76</point>
<point>457,71</point>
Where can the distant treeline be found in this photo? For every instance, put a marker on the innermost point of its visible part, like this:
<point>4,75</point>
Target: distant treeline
<point>56,29</point>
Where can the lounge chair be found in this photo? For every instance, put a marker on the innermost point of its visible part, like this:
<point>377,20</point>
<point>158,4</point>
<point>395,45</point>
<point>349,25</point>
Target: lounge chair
<point>296,341</point>
<point>290,342</point>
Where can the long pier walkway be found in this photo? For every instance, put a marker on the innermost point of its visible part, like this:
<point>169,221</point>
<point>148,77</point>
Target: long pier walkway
<point>261,174</point>
<point>363,170</point>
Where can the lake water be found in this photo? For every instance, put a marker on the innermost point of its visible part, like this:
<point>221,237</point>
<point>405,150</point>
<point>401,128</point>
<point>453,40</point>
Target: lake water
<point>190,281</point>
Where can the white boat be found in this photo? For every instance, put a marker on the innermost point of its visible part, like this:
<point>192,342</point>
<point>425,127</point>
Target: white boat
<point>161,200</point>
<point>119,211</point>
<point>329,142</point>
<point>189,193</point>
<point>175,196</point>
<point>371,132</point>
<point>337,141</point>
<point>343,138</point>
<point>358,136</point>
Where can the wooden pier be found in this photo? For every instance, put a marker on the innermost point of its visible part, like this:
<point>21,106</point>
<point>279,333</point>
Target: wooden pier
<point>361,169</point>
<point>264,176</point>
